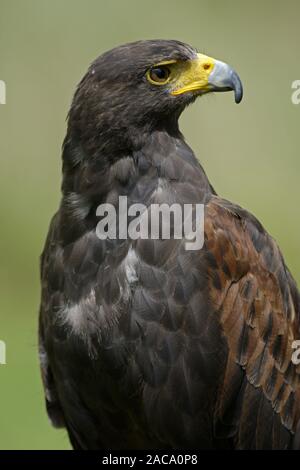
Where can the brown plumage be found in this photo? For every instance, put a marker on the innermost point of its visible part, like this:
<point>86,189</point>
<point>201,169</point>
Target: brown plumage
<point>258,304</point>
<point>144,344</point>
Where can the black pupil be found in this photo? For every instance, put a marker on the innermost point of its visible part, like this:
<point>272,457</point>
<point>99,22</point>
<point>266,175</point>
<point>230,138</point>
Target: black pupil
<point>160,73</point>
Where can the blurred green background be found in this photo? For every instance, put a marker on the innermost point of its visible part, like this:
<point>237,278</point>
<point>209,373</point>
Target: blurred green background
<point>250,151</point>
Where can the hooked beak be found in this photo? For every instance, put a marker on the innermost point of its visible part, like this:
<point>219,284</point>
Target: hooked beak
<point>224,78</point>
<point>205,75</point>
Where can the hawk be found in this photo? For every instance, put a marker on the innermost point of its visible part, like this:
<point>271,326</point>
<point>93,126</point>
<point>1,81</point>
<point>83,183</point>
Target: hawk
<point>142,343</point>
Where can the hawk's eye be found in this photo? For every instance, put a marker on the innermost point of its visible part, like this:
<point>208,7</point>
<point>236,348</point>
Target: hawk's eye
<point>159,75</point>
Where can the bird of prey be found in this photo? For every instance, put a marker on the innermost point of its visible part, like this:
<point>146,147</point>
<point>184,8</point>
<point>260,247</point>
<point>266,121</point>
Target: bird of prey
<point>144,344</point>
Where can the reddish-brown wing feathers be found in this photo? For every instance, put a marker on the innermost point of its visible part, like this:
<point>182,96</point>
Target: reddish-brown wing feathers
<point>258,305</point>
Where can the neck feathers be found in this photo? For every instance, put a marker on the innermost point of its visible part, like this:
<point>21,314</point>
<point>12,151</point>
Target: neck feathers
<point>164,169</point>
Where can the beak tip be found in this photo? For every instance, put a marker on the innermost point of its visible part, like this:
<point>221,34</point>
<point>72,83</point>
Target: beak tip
<point>237,87</point>
<point>238,95</point>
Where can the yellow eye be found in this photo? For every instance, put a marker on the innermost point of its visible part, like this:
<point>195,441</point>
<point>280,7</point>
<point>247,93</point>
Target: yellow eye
<point>159,75</point>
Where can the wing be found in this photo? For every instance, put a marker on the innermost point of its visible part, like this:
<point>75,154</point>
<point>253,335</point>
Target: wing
<point>258,305</point>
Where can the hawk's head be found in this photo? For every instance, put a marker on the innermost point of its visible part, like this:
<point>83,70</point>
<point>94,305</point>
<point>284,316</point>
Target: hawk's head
<point>145,85</point>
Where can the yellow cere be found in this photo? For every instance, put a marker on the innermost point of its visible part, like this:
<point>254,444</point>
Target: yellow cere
<point>195,75</point>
